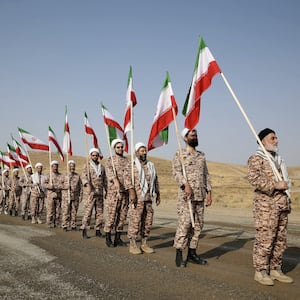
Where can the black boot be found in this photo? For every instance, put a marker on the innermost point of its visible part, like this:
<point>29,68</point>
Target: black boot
<point>98,233</point>
<point>118,241</point>
<point>23,217</point>
<point>179,260</point>
<point>108,240</point>
<point>194,258</point>
<point>84,234</point>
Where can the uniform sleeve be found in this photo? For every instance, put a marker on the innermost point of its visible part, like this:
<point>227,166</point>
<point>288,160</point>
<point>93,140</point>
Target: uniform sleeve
<point>84,176</point>
<point>177,170</point>
<point>208,181</point>
<point>260,175</point>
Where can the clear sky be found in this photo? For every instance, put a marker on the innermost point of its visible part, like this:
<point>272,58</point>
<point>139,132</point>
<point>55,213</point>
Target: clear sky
<point>78,53</point>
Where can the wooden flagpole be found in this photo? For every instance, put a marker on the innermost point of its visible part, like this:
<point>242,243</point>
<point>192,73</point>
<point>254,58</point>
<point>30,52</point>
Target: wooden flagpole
<point>252,129</point>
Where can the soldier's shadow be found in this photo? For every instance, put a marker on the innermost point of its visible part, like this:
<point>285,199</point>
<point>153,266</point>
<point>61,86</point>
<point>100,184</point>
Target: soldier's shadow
<point>234,245</point>
<point>291,259</point>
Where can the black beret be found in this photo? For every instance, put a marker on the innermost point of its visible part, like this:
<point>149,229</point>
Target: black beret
<point>264,133</point>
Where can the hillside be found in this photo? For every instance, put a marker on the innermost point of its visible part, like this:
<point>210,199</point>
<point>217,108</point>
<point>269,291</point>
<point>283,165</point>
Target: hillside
<point>230,185</point>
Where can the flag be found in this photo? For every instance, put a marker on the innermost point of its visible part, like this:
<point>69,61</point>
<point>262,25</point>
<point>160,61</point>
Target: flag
<point>12,154</point>
<point>20,151</point>
<point>5,159</point>
<point>130,102</point>
<point>115,131</point>
<point>67,145</point>
<point>52,138</point>
<point>205,69</point>
<point>89,130</point>
<point>163,116</point>
<point>32,141</point>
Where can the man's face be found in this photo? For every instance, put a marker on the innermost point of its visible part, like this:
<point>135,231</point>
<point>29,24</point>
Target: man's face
<point>95,156</point>
<point>54,168</point>
<point>39,169</point>
<point>119,149</point>
<point>192,138</point>
<point>29,170</point>
<point>270,142</point>
<point>142,154</point>
<point>72,168</point>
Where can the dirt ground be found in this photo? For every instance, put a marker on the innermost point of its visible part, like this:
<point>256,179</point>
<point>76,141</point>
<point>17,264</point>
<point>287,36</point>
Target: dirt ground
<point>41,263</point>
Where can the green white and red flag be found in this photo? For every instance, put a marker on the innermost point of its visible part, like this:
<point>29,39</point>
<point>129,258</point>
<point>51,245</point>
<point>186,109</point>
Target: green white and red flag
<point>130,103</point>
<point>52,138</point>
<point>67,145</point>
<point>12,153</point>
<point>115,131</point>
<point>6,160</point>
<point>205,69</point>
<point>32,141</point>
<point>165,112</point>
<point>90,131</point>
<point>20,151</point>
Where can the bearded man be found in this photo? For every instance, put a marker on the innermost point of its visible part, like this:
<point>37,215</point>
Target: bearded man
<point>271,206</point>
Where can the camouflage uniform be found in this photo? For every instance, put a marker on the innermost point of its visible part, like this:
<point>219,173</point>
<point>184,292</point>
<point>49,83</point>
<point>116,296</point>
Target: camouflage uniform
<point>271,209</point>
<point>5,191</point>
<point>15,195</point>
<point>26,184</point>
<point>116,206</point>
<point>141,216</point>
<point>72,195</point>
<point>38,194</point>
<point>198,178</point>
<point>98,183</point>
<point>54,198</point>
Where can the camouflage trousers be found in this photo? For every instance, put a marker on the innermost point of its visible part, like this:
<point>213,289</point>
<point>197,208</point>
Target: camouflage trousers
<point>140,219</point>
<point>93,202</point>
<point>69,212</point>
<point>25,203</point>
<point>186,235</point>
<point>53,211</point>
<point>116,212</point>
<point>14,202</point>
<point>36,205</point>
<point>270,238</point>
<point>3,203</point>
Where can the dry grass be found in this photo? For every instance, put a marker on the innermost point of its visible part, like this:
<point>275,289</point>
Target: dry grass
<point>230,185</point>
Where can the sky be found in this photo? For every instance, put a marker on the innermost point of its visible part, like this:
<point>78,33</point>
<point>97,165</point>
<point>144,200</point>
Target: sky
<point>78,53</point>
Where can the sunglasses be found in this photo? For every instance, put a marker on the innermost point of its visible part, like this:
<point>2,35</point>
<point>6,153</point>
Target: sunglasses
<point>119,147</point>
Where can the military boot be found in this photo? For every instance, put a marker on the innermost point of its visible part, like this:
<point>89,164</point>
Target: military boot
<point>108,240</point>
<point>33,220</point>
<point>84,234</point>
<point>194,258</point>
<point>98,233</point>
<point>134,249</point>
<point>263,278</point>
<point>118,241</point>
<point>278,275</point>
<point>145,248</point>
<point>179,260</point>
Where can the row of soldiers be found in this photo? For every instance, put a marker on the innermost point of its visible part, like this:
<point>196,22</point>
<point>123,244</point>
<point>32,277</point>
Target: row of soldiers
<point>113,191</point>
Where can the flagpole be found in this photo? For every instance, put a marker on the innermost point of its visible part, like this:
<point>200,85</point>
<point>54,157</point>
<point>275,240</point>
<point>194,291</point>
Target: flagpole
<point>131,143</point>
<point>252,129</point>
<point>182,165</point>
<point>24,146</point>
<point>50,162</point>
<point>87,156</point>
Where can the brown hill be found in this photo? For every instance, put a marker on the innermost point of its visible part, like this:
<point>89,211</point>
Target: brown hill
<point>230,185</point>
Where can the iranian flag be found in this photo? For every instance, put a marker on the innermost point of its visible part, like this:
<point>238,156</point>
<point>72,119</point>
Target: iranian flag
<point>115,131</point>
<point>89,130</point>
<point>130,103</point>
<point>205,69</point>
<point>52,138</point>
<point>12,153</point>
<point>32,141</point>
<point>166,109</point>
<point>20,151</point>
<point>67,145</point>
<point>6,160</point>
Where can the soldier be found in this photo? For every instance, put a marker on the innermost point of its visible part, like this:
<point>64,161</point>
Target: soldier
<point>38,194</point>
<point>95,184</point>
<point>5,190</point>
<point>271,209</point>
<point>26,184</point>
<point>117,199</point>
<point>142,192</point>
<point>194,187</point>
<point>55,183</point>
<point>72,196</point>
<point>15,193</point>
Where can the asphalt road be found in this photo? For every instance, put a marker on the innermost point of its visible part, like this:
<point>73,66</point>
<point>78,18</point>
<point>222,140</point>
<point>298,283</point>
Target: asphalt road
<point>41,263</point>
